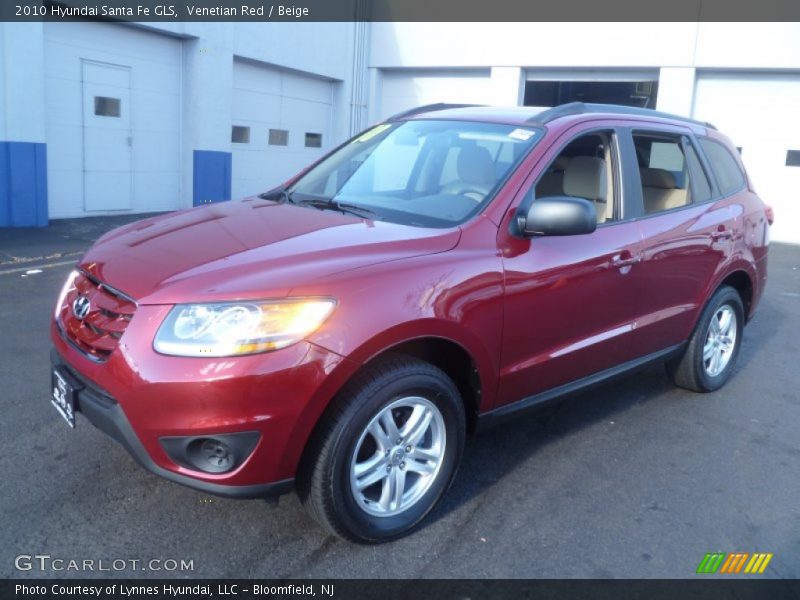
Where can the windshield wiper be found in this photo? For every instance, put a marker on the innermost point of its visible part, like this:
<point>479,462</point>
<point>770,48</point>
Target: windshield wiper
<point>322,203</point>
<point>331,204</point>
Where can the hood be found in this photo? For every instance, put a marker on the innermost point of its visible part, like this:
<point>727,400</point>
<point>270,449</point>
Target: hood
<point>247,249</point>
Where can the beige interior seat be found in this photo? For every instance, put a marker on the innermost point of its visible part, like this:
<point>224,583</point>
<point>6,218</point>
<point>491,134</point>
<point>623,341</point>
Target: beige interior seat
<point>552,182</point>
<point>660,191</point>
<point>585,177</point>
<point>476,173</point>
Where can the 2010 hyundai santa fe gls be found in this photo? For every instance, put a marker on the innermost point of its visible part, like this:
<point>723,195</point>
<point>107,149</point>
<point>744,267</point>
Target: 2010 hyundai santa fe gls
<point>444,269</point>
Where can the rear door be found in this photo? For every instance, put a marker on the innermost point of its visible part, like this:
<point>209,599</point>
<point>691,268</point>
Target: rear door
<point>687,232</point>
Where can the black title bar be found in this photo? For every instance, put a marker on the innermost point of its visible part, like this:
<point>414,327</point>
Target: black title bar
<point>389,589</point>
<point>401,10</point>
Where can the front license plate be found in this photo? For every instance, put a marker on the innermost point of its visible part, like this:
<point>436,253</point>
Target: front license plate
<point>63,398</point>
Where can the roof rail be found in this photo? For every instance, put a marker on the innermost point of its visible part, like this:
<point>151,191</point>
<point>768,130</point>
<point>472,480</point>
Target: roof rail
<point>580,108</point>
<point>428,108</point>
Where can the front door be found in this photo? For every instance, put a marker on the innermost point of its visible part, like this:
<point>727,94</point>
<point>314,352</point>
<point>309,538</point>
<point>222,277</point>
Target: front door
<point>571,301</point>
<point>107,137</point>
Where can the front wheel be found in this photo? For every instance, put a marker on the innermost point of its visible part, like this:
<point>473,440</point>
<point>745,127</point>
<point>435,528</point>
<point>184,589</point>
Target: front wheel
<point>709,359</point>
<point>386,451</point>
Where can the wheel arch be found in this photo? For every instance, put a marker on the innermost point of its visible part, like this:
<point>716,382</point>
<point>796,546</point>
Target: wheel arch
<point>468,365</point>
<point>742,278</point>
<point>742,282</point>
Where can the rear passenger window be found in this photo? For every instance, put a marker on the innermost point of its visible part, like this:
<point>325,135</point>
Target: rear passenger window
<point>729,175</point>
<point>663,172</point>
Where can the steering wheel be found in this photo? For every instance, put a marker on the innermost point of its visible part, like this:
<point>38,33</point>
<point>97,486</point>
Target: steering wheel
<point>470,192</point>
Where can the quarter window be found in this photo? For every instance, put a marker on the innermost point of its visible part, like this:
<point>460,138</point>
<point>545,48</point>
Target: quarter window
<point>729,176</point>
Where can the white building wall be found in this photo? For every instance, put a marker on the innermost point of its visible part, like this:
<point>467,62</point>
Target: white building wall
<point>23,152</point>
<point>204,98</point>
<point>506,84</point>
<point>266,98</point>
<point>676,90</point>
<point>22,112</point>
<point>405,64</point>
<point>676,49</point>
<point>150,178</point>
<point>531,44</point>
<point>406,88</point>
<point>760,62</point>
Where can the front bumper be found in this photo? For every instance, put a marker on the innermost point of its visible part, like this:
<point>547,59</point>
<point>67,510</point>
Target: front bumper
<point>146,401</point>
<point>105,413</point>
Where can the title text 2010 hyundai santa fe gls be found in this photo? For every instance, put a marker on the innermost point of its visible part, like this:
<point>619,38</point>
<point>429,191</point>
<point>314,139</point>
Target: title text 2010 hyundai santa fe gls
<point>440,271</point>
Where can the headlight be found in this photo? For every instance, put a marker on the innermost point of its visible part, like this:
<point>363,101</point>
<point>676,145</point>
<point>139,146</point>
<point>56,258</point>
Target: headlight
<point>229,329</point>
<point>68,286</point>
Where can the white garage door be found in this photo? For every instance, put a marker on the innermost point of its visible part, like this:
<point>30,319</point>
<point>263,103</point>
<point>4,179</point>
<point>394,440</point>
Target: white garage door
<point>112,98</point>
<point>404,89</point>
<point>281,123</point>
<point>761,114</point>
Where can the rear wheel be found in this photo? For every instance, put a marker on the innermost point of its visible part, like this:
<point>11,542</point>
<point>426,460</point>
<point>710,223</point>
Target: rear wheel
<point>709,359</point>
<point>386,451</point>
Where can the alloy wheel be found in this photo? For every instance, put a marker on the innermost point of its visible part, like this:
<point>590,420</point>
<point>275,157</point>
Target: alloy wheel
<point>720,340</point>
<point>398,456</point>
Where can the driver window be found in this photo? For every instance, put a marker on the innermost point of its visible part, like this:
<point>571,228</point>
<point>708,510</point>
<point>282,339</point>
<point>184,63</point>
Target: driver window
<point>583,169</point>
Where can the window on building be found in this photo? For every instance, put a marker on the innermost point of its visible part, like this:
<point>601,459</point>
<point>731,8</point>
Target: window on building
<point>278,137</point>
<point>313,140</point>
<point>240,134</point>
<point>628,93</point>
<point>729,176</point>
<point>793,158</point>
<point>107,107</point>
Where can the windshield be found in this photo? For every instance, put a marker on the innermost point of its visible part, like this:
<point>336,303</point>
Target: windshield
<point>427,173</point>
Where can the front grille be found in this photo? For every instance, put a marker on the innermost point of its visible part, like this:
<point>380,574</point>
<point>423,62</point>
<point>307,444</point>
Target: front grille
<point>99,331</point>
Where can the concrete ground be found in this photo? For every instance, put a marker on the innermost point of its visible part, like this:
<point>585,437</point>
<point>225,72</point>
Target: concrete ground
<point>635,479</point>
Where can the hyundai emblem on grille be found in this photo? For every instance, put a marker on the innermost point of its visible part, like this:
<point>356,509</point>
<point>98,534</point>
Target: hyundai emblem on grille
<point>81,307</point>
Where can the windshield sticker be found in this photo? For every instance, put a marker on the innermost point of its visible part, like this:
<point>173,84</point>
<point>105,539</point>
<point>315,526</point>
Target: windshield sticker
<point>372,132</point>
<point>521,134</point>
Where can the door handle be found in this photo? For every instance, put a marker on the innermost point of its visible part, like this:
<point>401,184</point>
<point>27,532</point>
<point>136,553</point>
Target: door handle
<point>626,259</point>
<point>721,234</point>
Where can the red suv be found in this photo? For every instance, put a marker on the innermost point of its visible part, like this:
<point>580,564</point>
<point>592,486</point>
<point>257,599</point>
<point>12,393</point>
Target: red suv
<point>441,271</point>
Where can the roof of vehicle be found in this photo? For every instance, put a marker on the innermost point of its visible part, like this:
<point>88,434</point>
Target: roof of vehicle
<point>535,115</point>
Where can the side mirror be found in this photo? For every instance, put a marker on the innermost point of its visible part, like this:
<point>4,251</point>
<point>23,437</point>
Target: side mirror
<point>558,215</point>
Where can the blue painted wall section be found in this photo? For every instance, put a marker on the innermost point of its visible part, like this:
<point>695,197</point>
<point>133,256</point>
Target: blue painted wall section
<point>23,184</point>
<point>211,180</point>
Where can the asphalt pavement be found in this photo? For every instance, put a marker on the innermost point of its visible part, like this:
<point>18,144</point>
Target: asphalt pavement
<point>634,479</point>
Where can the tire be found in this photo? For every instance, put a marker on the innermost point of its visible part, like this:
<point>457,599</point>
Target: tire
<point>695,372</point>
<point>349,449</point>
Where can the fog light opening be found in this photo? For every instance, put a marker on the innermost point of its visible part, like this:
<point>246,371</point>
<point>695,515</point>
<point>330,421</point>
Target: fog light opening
<point>210,455</point>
